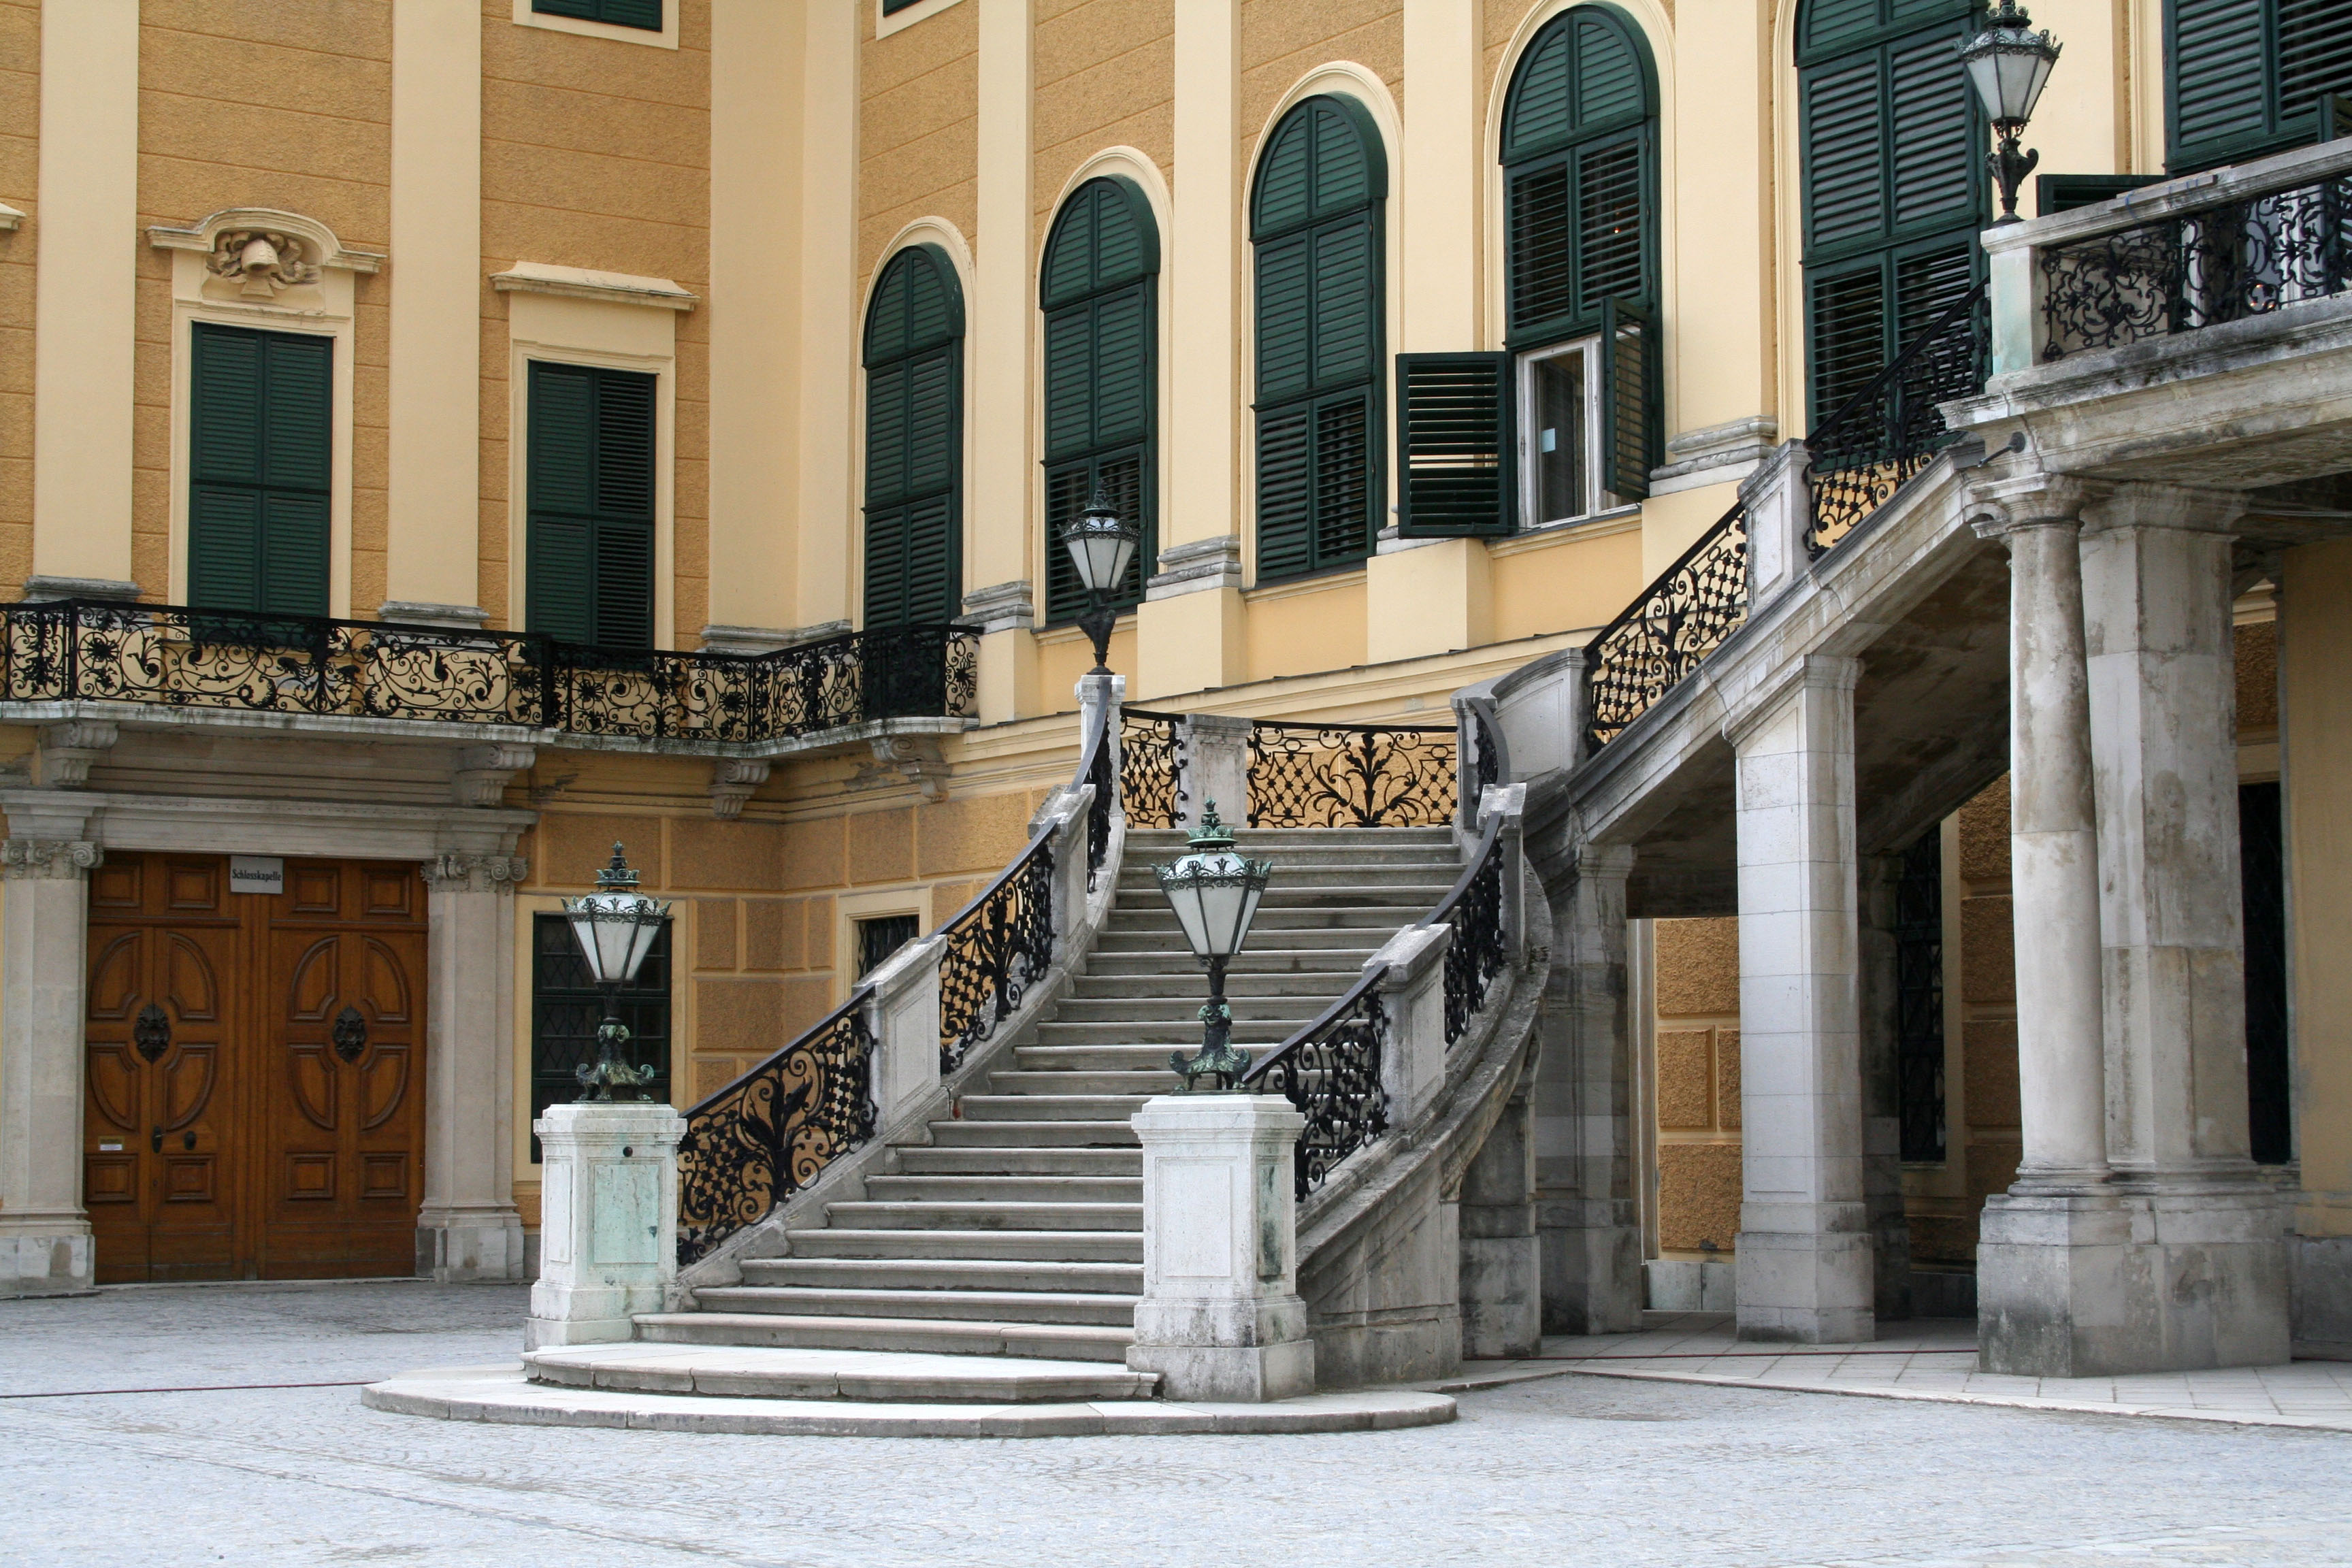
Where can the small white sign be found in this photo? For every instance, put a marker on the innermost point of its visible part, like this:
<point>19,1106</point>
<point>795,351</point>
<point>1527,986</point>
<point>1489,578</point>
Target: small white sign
<point>256,874</point>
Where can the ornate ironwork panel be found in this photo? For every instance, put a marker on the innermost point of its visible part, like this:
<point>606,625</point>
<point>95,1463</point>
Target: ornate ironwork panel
<point>998,947</point>
<point>1661,637</point>
<point>176,657</point>
<point>1152,767</point>
<point>2221,263</point>
<point>1486,746</point>
<point>774,1130</point>
<point>1891,430</point>
<point>1351,775</point>
<point>1096,769</point>
<point>1481,946</point>
<point>1331,1072</point>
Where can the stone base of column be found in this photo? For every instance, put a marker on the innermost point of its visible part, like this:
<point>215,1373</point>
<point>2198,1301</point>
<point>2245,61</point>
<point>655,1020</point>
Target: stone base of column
<point>608,1221</point>
<point>465,1246</point>
<point>37,1259</point>
<point>2320,1269</point>
<point>1592,1259</point>
<point>2108,1283</point>
<point>1807,1287</point>
<point>1230,1375</point>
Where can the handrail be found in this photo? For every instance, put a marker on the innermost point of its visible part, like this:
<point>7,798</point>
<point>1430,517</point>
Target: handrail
<point>1896,366</point>
<point>177,656</point>
<point>998,946</point>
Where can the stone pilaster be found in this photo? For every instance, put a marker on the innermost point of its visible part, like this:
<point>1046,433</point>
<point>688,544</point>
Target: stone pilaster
<point>1882,1107</point>
<point>1590,1238</point>
<point>468,1228</point>
<point>45,1240</point>
<point>1805,1264</point>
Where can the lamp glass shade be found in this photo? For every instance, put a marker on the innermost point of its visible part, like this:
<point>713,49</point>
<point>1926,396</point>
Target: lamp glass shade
<point>1215,897</point>
<point>615,931</point>
<point>1100,547</point>
<point>2009,64</point>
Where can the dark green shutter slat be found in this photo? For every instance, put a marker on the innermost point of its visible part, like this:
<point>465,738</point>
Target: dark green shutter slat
<point>2218,89</point>
<point>1847,319</point>
<point>294,544</point>
<point>1122,367</point>
<point>1928,283</point>
<point>1933,129</point>
<point>2064,192</point>
<point>1630,401</point>
<point>932,448</point>
<point>625,444</point>
<point>1284,193</point>
<point>560,462</point>
<point>624,584</point>
<point>1844,141</point>
<point>225,548</point>
<point>224,425</point>
<point>1285,301</point>
<point>914,441</point>
<point>1342,176</point>
<point>261,458</point>
<point>886,433</point>
<point>931,592</point>
<point>1541,110</point>
<point>2315,45</point>
<point>1543,245</point>
<point>560,595</point>
<point>1345,323</point>
<point>1608,75</point>
<point>886,566</point>
<point>1069,403</point>
<point>1610,224</point>
<point>298,392</point>
<point>1285,491</point>
<point>1456,445</point>
<point>1068,271</point>
<point>1343,475</point>
<point>1832,21</point>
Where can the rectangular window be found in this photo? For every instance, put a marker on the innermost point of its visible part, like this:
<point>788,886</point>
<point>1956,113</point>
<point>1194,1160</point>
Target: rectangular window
<point>1559,431</point>
<point>880,937</point>
<point>261,465</point>
<point>566,1008</point>
<point>645,13</point>
<point>591,476</point>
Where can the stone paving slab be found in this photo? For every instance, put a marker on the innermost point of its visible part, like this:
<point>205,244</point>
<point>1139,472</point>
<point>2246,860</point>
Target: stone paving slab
<point>1929,1359</point>
<point>503,1394</point>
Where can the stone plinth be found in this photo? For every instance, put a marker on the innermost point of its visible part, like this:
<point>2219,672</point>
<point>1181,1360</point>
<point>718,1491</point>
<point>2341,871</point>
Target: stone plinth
<point>1220,1317</point>
<point>608,1221</point>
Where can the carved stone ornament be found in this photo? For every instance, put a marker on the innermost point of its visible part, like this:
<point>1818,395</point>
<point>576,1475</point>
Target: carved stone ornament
<point>732,780</point>
<point>268,261</point>
<point>349,1032</point>
<point>914,758</point>
<point>459,873</point>
<point>483,773</point>
<point>21,858</point>
<point>66,752</point>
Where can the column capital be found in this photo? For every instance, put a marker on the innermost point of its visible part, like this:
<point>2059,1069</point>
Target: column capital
<point>63,858</point>
<point>2189,508</point>
<point>1995,509</point>
<point>462,873</point>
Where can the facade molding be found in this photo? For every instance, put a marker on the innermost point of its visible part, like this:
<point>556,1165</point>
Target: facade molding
<point>321,246</point>
<point>586,283</point>
<point>48,858</point>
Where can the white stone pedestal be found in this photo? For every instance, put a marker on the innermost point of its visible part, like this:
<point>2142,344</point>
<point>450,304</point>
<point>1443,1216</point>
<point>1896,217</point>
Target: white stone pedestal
<point>608,1221</point>
<point>1220,1318</point>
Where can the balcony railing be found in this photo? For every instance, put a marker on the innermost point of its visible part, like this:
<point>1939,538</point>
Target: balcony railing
<point>173,656</point>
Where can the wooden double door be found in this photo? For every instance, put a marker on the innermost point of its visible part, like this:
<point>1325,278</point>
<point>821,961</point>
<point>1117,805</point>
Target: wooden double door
<point>256,1070</point>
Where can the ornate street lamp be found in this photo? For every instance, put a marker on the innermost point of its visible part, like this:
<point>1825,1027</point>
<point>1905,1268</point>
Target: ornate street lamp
<point>2009,64</point>
<point>616,926</point>
<point>1214,893</point>
<point>1100,547</point>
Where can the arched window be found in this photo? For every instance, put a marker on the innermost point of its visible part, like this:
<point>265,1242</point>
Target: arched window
<point>1580,178</point>
<point>2246,77</point>
<point>1894,147</point>
<point>1101,364</point>
<point>914,441</point>
<point>1315,222</point>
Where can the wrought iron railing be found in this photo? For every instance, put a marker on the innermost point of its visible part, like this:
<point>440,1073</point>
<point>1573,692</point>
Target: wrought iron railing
<point>998,945</point>
<point>1890,430</point>
<point>1096,768</point>
<point>2224,261</point>
<point>1152,767</point>
<point>1351,775</point>
<point>1480,947</point>
<point>774,1130</point>
<point>1330,1071</point>
<point>171,656</point>
<point>1661,637</point>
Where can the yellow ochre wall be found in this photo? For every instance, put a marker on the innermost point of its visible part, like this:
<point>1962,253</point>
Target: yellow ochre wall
<point>20,154</point>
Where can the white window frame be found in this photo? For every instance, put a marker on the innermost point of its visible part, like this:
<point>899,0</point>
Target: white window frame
<point>666,38</point>
<point>1594,500</point>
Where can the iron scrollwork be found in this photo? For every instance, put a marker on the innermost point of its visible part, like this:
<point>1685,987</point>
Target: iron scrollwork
<point>773,1131</point>
<point>1351,775</point>
<point>999,946</point>
<point>1661,637</point>
<point>1330,1071</point>
<point>1096,769</point>
<point>1888,432</point>
<point>2224,262</point>
<point>1152,767</point>
<point>1480,947</point>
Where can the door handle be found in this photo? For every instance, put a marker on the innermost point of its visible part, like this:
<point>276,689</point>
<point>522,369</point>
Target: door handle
<point>155,1140</point>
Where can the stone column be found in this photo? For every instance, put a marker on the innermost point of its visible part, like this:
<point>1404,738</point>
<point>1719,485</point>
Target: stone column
<point>1881,1090</point>
<point>468,1228</point>
<point>1220,1317</point>
<point>1805,1267</point>
<point>608,1221</point>
<point>1590,1237</point>
<point>2158,632</point>
<point>45,1241</point>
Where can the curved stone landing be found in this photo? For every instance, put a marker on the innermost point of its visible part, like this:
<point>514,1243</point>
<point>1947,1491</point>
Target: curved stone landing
<point>504,1394</point>
<point>766,1371</point>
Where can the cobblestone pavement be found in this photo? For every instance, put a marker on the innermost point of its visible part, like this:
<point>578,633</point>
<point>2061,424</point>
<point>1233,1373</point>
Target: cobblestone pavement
<point>1574,1471</point>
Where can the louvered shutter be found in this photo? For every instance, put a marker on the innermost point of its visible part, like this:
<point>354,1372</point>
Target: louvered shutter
<point>591,478</point>
<point>1845,137</point>
<point>2219,87</point>
<point>1457,445</point>
<point>1935,152</point>
<point>1630,407</point>
<point>1286,491</point>
<point>914,442</point>
<point>647,14</point>
<point>2314,60</point>
<point>260,470</point>
<point>1846,317</point>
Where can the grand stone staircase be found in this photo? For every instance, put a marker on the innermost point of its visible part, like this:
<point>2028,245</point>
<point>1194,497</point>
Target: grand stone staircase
<point>1016,1227</point>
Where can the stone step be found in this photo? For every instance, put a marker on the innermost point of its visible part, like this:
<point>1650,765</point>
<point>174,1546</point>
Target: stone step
<point>1014,1188</point>
<point>1116,1278</point>
<point>1339,912</point>
<point>1300,1003</point>
<point>1126,1081</point>
<point>1142,883</point>
<point>1172,1032</point>
<point>1070,1342</point>
<point>1126,989</point>
<point>1121,1057</point>
<point>987,1217</point>
<point>983,1246</point>
<point>1049,1106</point>
<point>915,1160</point>
<point>1253,964</point>
<point>746,1372</point>
<point>960,1134</point>
<point>985,1306</point>
<point>1161,840</point>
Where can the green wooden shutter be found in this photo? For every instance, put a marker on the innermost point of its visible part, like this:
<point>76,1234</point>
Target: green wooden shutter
<point>2315,59</point>
<point>261,457</point>
<point>1344,478</point>
<point>2218,82</point>
<point>2064,192</point>
<point>1457,445</point>
<point>591,480</point>
<point>1286,491</point>
<point>1934,151</point>
<point>647,14</point>
<point>914,442</point>
<point>1630,404</point>
<point>1843,136</point>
